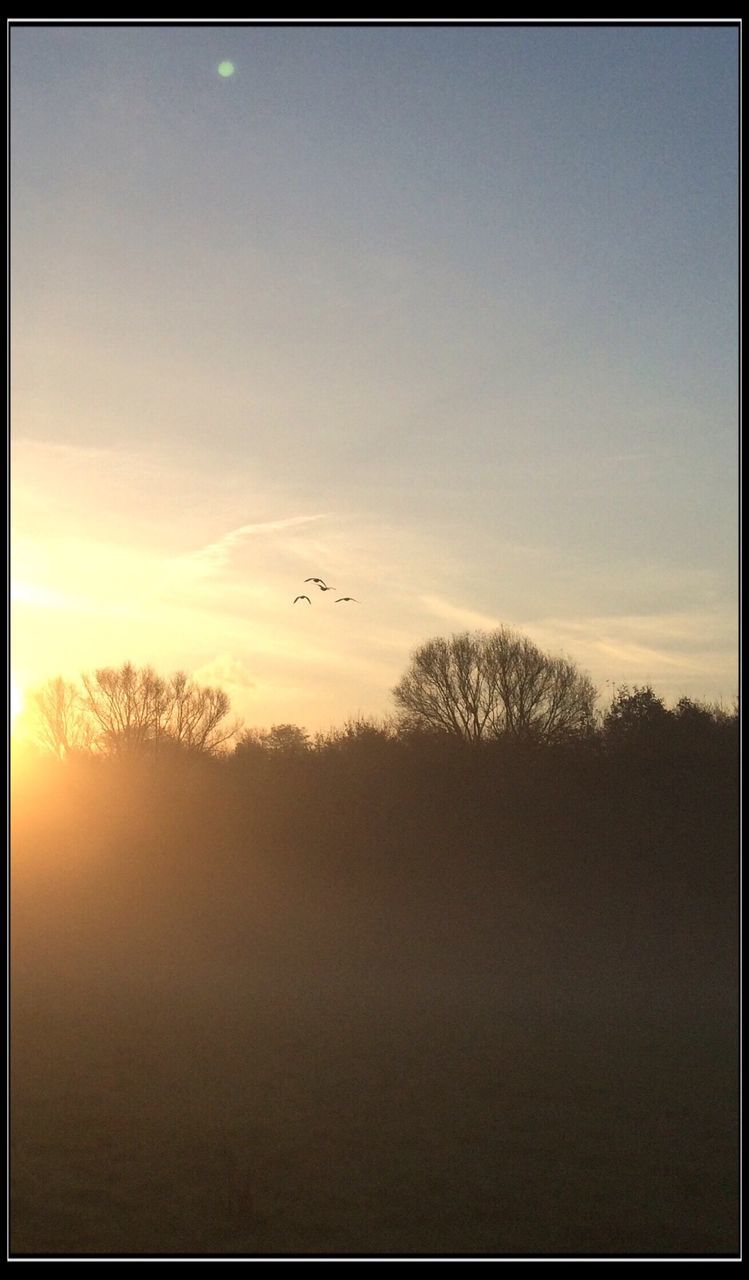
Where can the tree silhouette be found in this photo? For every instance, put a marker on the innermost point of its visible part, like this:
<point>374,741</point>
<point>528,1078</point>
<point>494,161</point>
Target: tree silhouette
<point>499,684</point>
<point>281,740</point>
<point>58,718</point>
<point>197,714</point>
<point>635,714</point>
<point>130,708</point>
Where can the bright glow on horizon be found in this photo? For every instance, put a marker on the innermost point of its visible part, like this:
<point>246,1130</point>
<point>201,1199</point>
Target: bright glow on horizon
<point>16,704</point>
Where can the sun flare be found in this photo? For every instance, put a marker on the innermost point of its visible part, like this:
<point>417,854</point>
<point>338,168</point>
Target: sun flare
<point>16,703</point>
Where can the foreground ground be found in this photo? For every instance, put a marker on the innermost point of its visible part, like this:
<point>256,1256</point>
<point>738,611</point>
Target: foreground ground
<point>224,1047</point>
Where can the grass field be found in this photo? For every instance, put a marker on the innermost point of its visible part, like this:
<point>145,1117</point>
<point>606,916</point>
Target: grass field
<point>291,1110</point>
<point>237,1030</point>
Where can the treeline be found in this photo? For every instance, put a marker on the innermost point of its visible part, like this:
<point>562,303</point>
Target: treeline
<point>395,846</point>
<point>382,845</point>
<point>478,688</point>
<point>544,769</point>
<point>671,774</point>
<point>401,782</point>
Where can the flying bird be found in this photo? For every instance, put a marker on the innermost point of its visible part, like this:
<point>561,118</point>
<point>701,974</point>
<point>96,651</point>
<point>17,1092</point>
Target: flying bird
<point>302,598</point>
<point>341,600</point>
<point>320,583</point>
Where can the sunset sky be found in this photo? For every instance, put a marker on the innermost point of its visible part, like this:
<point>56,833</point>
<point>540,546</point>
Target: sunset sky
<point>446,316</point>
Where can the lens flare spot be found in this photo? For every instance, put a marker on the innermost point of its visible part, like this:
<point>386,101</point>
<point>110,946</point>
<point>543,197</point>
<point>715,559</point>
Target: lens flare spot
<point>226,69</point>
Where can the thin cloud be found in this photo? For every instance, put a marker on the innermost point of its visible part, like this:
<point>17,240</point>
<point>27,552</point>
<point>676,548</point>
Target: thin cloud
<point>212,557</point>
<point>456,613</point>
<point>225,670</point>
<point>61,451</point>
<point>699,632</point>
<point>48,598</point>
<point>635,655</point>
<point>660,647</point>
<point>666,649</point>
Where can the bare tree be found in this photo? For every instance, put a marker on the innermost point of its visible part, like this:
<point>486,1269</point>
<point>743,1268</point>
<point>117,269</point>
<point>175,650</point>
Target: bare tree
<point>446,686</point>
<point>134,707</point>
<point>196,715</point>
<point>129,706</point>
<point>536,695</point>
<point>478,685</point>
<point>59,719</point>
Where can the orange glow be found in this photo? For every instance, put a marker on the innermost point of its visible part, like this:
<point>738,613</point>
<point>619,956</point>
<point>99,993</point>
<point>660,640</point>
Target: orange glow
<point>16,703</point>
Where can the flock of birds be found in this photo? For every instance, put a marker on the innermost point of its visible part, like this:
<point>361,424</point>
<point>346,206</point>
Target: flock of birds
<point>323,587</point>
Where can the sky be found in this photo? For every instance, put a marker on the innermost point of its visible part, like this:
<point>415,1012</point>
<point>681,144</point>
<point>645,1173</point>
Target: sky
<point>446,316</point>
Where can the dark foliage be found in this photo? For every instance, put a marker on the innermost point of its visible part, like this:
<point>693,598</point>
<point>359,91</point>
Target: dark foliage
<point>355,993</point>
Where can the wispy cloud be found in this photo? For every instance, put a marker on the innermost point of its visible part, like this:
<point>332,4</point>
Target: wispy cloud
<point>225,670</point>
<point>48,598</point>
<point>673,649</point>
<point>677,651</point>
<point>215,555</point>
<point>639,656</point>
<point>701,630</point>
<point>457,613</point>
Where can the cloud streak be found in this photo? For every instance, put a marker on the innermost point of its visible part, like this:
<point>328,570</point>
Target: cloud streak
<point>679,652</point>
<point>48,598</point>
<point>470,618</point>
<point>215,555</point>
<point>225,670</point>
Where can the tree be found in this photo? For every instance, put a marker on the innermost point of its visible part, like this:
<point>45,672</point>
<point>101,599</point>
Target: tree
<point>196,715</point>
<point>636,716</point>
<point>280,740</point>
<point>59,720</point>
<point>126,709</point>
<point>128,706</point>
<point>133,708</point>
<point>480,685</point>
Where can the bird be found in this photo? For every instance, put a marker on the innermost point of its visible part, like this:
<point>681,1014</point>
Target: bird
<point>341,600</point>
<point>324,588</point>
<point>320,582</point>
<point>302,598</point>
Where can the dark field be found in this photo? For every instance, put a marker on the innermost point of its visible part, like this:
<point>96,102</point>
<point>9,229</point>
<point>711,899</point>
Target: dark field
<point>450,1015</point>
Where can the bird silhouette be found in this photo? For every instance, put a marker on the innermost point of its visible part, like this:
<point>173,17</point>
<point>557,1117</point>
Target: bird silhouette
<point>320,583</point>
<point>302,598</point>
<point>324,588</point>
<point>341,600</point>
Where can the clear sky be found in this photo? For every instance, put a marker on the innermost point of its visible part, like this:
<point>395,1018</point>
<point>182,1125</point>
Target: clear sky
<point>445,316</point>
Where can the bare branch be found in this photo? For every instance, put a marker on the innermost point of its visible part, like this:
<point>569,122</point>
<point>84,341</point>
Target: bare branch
<point>479,685</point>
